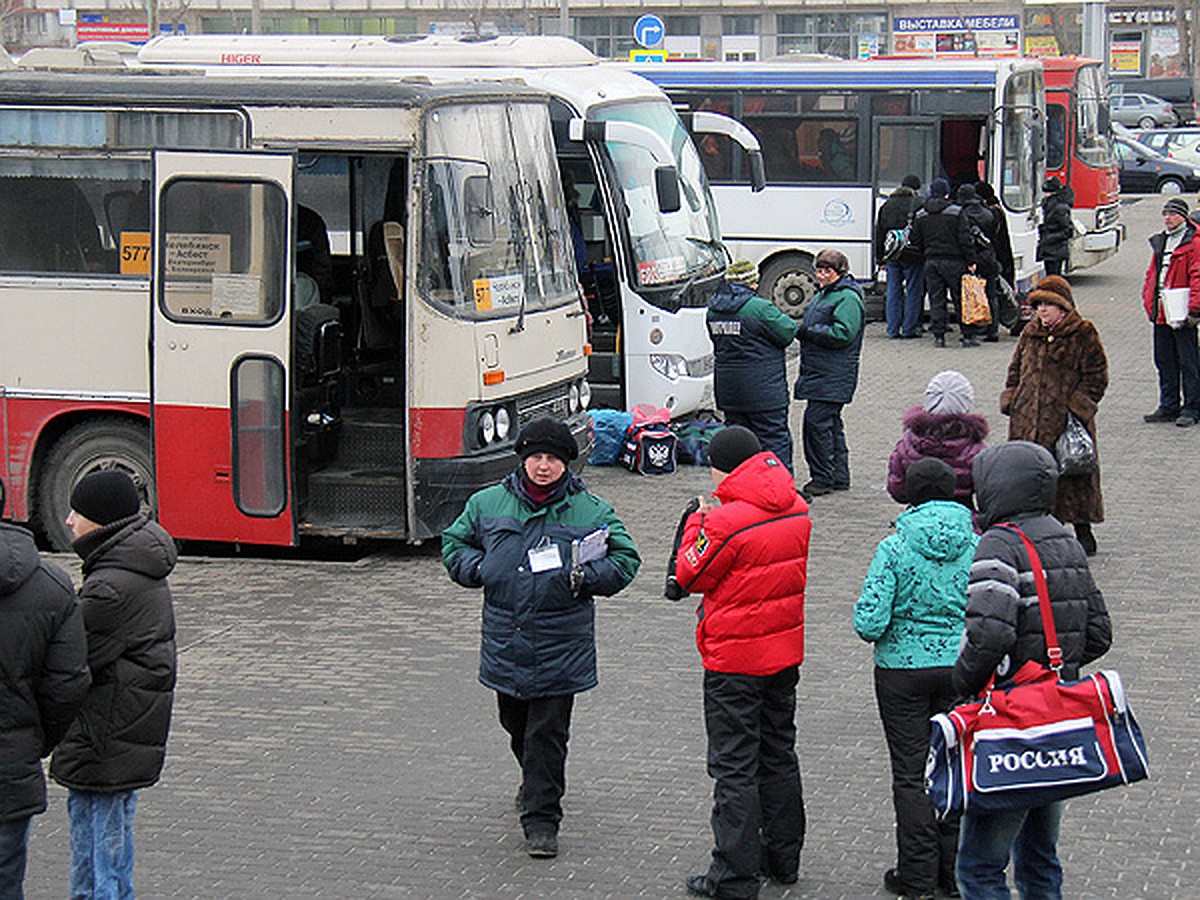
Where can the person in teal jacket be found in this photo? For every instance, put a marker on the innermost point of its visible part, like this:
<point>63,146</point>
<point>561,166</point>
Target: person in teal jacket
<point>912,607</point>
<point>541,547</point>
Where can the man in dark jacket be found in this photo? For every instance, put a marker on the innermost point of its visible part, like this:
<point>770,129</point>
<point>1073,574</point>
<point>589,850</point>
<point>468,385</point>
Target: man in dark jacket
<point>905,273</point>
<point>749,557</point>
<point>981,257</point>
<point>1057,228</point>
<point>831,337</point>
<point>749,336</point>
<point>940,235</point>
<point>1016,483</point>
<point>43,679</point>
<point>117,744</point>
<point>542,547</point>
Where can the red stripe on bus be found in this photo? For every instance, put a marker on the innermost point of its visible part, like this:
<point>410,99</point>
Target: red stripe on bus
<point>25,423</point>
<point>435,432</point>
<point>195,481</point>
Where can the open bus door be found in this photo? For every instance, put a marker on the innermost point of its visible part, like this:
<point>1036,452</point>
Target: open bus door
<point>219,345</point>
<point>906,145</point>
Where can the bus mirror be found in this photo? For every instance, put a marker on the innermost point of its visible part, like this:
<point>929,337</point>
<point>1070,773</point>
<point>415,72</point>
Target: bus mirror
<point>477,202</point>
<point>1037,143</point>
<point>1105,122</point>
<point>666,186</point>
<point>758,173</point>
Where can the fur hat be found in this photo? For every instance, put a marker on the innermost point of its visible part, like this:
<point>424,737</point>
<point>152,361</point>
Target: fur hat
<point>732,446</point>
<point>949,393</point>
<point>1178,206</point>
<point>1052,289</point>
<point>104,497</point>
<point>547,435</point>
<point>742,271</point>
<point>911,181</point>
<point>939,187</point>
<point>929,478</point>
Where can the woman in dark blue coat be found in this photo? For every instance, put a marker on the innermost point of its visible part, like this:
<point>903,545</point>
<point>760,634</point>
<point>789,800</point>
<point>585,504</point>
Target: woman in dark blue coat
<point>541,546</point>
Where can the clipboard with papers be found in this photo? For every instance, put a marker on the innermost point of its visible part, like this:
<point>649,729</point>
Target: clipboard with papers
<point>590,547</point>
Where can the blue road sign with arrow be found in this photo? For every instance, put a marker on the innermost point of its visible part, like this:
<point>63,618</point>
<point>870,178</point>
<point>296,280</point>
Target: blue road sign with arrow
<point>649,30</point>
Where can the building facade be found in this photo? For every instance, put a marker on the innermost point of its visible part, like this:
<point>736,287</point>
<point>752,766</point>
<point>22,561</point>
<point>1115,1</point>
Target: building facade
<point>1141,38</point>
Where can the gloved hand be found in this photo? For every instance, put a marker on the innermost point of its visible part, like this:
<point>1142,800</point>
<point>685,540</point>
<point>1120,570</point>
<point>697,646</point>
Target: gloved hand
<point>575,579</point>
<point>801,332</point>
<point>1193,320</point>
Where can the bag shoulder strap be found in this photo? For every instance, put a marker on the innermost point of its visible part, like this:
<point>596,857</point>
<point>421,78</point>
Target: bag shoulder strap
<point>1053,650</point>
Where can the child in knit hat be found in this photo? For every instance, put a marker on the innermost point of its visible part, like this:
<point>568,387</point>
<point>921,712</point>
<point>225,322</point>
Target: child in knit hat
<point>943,428</point>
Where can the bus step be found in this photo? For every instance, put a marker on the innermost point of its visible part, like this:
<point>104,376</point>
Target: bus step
<point>604,368</point>
<point>371,438</point>
<point>606,396</point>
<point>355,496</point>
<point>604,339</point>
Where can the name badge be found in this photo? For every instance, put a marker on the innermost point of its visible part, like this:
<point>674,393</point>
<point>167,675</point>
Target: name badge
<point>545,557</point>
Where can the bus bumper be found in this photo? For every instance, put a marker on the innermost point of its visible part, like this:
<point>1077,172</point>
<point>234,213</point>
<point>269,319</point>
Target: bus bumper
<point>442,486</point>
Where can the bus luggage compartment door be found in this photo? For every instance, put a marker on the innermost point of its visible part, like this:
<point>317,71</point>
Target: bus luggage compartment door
<point>220,345</point>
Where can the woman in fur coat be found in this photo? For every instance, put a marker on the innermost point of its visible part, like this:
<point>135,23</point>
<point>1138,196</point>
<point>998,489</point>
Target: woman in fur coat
<point>945,428</point>
<point>1059,366</point>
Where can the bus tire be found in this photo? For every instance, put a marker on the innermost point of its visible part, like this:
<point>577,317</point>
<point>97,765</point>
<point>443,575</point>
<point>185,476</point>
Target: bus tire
<point>789,283</point>
<point>90,447</point>
<point>1170,186</point>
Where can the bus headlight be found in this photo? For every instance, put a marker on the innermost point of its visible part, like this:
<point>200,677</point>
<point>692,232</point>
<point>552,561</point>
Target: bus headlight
<point>669,365</point>
<point>503,424</point>
<point>573,399</point>
<point>585,393</point>
<point>487,428</point>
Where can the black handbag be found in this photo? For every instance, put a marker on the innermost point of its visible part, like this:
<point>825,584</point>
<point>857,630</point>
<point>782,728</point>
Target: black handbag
<point>1075,450</point>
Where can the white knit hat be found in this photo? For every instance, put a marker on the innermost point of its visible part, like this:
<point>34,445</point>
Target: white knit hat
<point>949,393</point>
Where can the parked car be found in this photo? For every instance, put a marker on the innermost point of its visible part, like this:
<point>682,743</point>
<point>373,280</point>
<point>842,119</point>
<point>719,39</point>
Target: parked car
<point>1142,111</point>
<point>1146,171</point>
<point>1176,91</point>
<point>1182,144</point>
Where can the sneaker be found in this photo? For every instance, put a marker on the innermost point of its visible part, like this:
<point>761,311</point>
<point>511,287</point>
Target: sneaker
<point>892,883</point>
<point>991,339</point>
<point>542,845</point>
<point>970,342</point>
<point>817,489</point>
<point>1185,421</point>
<point>939,341</point>
<point>701,886</point>
<point>1160,415</point>
<point>784,878</point>
<point>841,486</point>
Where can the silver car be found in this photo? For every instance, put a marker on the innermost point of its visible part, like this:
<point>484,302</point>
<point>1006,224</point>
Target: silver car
<point>1142,111</point>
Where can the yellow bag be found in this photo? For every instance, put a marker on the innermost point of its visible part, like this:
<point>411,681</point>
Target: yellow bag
<point>975,309</point>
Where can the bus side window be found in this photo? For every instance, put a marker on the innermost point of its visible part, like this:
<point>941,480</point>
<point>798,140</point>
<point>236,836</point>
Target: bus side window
<point>53,227</point>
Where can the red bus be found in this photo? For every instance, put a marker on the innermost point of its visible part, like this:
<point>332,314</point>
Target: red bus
<point>1079,153</point>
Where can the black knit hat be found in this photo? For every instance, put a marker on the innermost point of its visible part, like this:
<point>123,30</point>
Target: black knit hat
<point>732,446</point>
<point>929,478</point>
<point>547,435</point>
<point>1178,206</point>
<point>911,181</point>
<point>104,497</point>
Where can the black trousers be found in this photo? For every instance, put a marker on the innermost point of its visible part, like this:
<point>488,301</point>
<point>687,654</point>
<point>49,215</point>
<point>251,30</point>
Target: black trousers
<point>824,440</point>
<point>538,732</point>
<point>758,803</point>
<point>943,283</point>
<point>771,428</point>
<point>925,847</point>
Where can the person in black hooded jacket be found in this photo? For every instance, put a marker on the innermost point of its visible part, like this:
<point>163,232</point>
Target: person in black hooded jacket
<point>1016,483</point>
<point>1057,228</point>
<point>940,235</point>
<point>117,744</point>
<point>43,680</point>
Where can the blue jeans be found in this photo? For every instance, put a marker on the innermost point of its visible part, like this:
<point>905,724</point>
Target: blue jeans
<point>905,298</point>
<point>14,842</point>
<point>1030,835</point>
<point>101,844</point>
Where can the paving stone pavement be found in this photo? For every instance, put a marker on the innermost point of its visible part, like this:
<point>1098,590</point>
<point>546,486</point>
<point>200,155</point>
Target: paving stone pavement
<point>330,738</point>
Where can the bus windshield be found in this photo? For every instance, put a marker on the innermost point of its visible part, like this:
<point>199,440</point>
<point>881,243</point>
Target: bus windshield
<point>496,234</point>
<point>1092,145</point>
<point>1024,130</point>
<point>668,248</point>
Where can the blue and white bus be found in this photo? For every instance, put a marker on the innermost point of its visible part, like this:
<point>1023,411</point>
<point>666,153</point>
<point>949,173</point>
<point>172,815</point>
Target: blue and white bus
<point>838,136</point>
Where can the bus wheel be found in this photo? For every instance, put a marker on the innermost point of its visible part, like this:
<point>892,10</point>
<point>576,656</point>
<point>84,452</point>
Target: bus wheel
<point>1170,186</point>
<point>789,283</point>
<point>90,447</point>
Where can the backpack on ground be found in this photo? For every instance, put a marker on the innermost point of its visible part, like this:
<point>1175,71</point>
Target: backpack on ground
<point>650,445</point>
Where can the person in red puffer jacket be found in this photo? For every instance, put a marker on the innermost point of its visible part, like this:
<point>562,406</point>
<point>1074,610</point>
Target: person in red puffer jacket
<point>749,557</point>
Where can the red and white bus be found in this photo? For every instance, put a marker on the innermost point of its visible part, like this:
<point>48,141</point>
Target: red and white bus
<point>1079,153</point>
<point>288,306</point>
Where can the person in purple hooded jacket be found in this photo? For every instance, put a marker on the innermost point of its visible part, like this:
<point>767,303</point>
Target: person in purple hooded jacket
<point>944,428</point>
